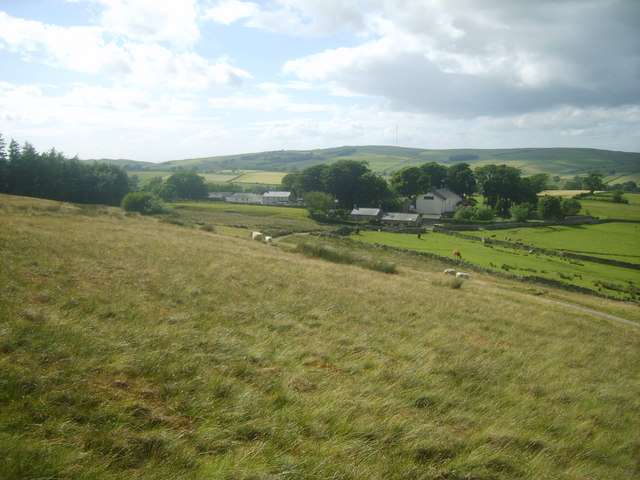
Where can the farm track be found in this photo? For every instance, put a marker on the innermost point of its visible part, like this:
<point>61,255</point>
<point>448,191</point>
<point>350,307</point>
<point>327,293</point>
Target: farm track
<point>595,312</point>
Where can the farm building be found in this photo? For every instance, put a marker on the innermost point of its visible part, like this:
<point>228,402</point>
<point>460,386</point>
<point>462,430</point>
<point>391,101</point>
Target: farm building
<point>407,219</point>
<point>438,202</point>
<point>277,198</point>
<point>220,196</point>
<point>365,214</point>
<point>244,198</point>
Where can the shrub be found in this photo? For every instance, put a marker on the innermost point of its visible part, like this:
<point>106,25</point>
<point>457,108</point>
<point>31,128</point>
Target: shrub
<point>520,213</point>
<point>146,203</point>
<point>571,206</point>
<point>550,208</point>
<point>483,214</point>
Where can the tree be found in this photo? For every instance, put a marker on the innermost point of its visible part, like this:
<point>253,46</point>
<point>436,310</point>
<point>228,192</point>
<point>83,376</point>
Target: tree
<point>460,179</point>
<point>550,208</point>
<point>372,190</point>
<point>318,203</point>
<point>310,179</point>
<point>341,179</point>
<point>571,206</point>
<point>406,181</point>
<point>500,186</point>
<point>593,181</point>
<point>531,186</point>
<point>146,203</point>
<point>432,175</point>
<point>188,185</point>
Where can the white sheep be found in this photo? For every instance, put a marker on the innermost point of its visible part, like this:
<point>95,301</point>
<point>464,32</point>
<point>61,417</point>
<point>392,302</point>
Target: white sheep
<point>268,240</point>
<point>257,236</point>
<point>449,271</point>
<point>462,275</point>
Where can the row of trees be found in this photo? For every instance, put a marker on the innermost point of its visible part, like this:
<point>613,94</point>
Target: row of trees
<point>50,175</point>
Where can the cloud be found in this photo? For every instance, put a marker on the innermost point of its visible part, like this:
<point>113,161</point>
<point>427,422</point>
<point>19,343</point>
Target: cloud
<point>467,59</point>
<point>84,49</point>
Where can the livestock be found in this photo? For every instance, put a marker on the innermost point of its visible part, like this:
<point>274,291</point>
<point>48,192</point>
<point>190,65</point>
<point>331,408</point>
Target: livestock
<point>456,253</point>
<point>257,236</point>
<point>462,275</point>
<point>268,240</point>
<point>449,271</point>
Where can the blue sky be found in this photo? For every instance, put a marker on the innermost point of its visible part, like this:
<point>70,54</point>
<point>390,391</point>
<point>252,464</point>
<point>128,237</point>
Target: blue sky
<point>159,80</point>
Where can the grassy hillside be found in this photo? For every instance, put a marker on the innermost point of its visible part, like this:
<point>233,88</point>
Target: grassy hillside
<point>136,348</point>
<point>385,159</point>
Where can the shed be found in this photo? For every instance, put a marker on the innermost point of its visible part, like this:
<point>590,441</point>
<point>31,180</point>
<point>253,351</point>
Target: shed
<point>438,202</point>
<point>365,214</point>
<point>396,218</point>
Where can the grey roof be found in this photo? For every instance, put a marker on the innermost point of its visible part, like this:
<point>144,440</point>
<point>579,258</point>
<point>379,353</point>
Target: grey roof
<point>445,194</point>
<point>277,194</point>
<point>401,217</point>
<point>374,212</point>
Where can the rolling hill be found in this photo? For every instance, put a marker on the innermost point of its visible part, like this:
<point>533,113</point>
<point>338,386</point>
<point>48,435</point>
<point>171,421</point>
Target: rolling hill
<point>385,159</point>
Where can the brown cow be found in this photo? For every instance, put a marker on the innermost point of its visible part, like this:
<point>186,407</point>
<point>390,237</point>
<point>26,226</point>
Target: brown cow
<point>456,253</point>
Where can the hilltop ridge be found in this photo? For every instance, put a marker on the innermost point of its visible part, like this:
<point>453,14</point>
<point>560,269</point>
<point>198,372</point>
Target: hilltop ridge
<point>385,159</point>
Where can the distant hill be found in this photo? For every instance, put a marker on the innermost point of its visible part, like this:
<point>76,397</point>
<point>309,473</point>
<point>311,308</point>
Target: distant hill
<point>386,159</point>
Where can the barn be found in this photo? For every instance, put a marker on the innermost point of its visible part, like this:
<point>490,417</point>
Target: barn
<point>405,219</point>
<point>277,198</point>
<point>366,214</point>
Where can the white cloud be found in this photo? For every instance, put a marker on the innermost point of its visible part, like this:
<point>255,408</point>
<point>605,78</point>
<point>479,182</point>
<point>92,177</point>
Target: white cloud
<point>140,64</point>
<point>229,11</point>
<point>151,21</point>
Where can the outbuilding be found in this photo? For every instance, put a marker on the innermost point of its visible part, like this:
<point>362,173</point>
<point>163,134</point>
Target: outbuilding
<point>366,214</point>
<point>277,198</point>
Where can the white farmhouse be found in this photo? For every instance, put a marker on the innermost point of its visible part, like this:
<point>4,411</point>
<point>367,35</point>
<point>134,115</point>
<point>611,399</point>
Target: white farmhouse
<point>438,202</point>
<point>277,198</point>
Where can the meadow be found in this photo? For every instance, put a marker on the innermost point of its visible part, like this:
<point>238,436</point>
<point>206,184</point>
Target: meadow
<point>611,280</point>
<point>136,348</point>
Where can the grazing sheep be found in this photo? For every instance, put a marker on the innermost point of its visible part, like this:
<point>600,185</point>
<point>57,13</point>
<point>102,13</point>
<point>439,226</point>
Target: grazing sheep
<point>456,253</point>
<point>449,271</point>
<point>268,240</point>
<point>257,236</point>
<point>462,275</point>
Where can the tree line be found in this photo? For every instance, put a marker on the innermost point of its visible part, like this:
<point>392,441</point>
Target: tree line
<point>51,175</point>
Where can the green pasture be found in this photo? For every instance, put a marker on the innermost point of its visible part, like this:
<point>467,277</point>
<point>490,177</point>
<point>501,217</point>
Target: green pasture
<point>513,261</point>
<point>290,213</point>
<point>616,241</point>
<point>603,209</point>
<point>272,178</point>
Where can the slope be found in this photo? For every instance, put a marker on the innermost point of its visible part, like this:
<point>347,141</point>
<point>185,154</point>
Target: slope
<point>134,348</point>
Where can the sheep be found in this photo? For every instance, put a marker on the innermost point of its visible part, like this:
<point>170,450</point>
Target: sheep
<point>268,240</point>
<point>449,271</point>
<point>462,275</point>
<point>456,253</point>
<point>257,236</point>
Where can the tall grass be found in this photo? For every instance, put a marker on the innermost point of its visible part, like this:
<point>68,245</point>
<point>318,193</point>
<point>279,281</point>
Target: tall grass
<point>132,348</point>
<point>337,255</point>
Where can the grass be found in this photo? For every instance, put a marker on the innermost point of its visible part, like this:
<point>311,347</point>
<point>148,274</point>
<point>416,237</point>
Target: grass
<point>132,348</point>
<point>522,263</point>
<point>337,255</point>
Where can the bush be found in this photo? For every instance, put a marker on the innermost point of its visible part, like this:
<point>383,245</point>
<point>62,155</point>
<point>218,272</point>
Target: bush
<point>520,213</point>
<point>483,214</point>
<point>550,208</point>
<point>571,206</point>
<point>145,203</point>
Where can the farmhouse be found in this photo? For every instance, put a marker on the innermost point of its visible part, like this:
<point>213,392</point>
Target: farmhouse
<point>277,198</point>
<point>438,202</point>
<point>244,198</point>
<point>366,214</point>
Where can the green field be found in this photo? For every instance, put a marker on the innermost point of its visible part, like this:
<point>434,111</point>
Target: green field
<point>622,282</point>
<point>136,348</point>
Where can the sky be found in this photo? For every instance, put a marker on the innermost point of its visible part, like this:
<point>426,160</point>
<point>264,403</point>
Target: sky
<point>158,80</point>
